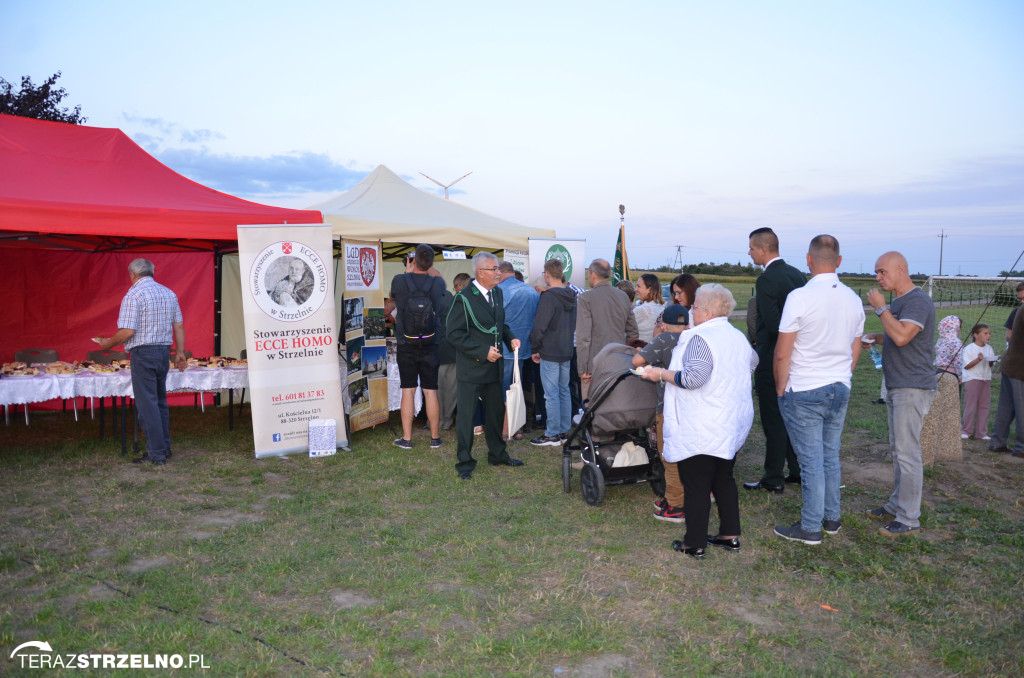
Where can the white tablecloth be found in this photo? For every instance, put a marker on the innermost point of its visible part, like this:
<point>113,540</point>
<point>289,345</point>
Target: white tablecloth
<point>43,387</point>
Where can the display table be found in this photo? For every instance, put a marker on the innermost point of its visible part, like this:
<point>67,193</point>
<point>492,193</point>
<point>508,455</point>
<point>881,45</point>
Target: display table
<point>24,390</point>
<point>42,387</point>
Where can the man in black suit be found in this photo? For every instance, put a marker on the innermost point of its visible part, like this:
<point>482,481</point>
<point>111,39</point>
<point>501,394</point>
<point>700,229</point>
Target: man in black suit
<point>475,329</point>
<point>771,289</point>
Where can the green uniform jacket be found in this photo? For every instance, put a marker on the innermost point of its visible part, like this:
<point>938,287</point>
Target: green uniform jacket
<point>471,343</point>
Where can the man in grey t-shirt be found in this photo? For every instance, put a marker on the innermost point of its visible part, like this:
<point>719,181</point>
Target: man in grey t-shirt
<point>909,333</point>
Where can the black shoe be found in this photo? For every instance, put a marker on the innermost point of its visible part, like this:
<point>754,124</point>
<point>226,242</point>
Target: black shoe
<point>508,462</point>
<point>1004,449</point>
<point>793,480</point>
<point>694,552</point>
<point>727,544</point>
<point>879,401</point>
<point>144,459</point>
<point>761,485</point>
<point>465,475</point>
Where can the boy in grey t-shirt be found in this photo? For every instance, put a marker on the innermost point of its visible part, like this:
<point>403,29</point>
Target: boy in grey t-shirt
<point>658,353</point>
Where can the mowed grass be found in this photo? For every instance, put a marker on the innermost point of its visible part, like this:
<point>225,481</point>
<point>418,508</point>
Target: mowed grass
<point>742,287</point>
<point>380,562</point>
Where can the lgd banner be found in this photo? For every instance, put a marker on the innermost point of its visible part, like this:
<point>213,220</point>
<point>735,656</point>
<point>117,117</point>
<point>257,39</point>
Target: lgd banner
<point>290,334</point>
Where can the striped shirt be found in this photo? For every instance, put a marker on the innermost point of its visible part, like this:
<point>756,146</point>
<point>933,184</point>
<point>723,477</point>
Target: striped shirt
<point>149,308</point>
<point>698,364</point>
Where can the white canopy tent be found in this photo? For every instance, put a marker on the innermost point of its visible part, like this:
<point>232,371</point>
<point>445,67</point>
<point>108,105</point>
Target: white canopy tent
<point>383,206</point>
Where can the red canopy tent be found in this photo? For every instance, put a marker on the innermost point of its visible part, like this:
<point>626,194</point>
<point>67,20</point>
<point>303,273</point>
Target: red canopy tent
<point>77,204</point>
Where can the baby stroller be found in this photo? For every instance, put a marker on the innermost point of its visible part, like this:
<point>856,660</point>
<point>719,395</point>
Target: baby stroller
<point>614,423</point>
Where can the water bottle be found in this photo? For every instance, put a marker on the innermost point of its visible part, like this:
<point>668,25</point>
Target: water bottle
<point>876,356</point>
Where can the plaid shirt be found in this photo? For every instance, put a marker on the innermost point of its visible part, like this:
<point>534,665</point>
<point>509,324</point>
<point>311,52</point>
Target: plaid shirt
<point>149,308</point>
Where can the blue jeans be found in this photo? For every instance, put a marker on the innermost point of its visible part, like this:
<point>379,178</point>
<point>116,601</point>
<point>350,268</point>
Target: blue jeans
<point>150,364</point>
<point>555,378</point>
<point>1011,406</point>
<point>814,421</point>
<point>907,407</point>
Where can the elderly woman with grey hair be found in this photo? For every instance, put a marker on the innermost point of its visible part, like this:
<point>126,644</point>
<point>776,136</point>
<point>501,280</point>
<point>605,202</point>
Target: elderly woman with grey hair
<point>708,413</point>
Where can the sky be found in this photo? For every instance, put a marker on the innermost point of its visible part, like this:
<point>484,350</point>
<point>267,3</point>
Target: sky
<point>885,124</point>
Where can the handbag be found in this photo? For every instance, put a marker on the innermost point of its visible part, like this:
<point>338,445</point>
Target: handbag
<point>515,403</point>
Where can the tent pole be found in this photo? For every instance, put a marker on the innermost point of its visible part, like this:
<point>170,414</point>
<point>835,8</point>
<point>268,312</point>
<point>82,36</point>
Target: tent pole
<point>218,257</point>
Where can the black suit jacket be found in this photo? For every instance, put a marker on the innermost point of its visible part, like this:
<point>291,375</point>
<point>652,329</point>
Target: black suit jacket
<point>471,343</point>
<point>772,288</point>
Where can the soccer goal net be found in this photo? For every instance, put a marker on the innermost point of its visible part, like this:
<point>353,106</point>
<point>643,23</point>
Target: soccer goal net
<point>958,290</point>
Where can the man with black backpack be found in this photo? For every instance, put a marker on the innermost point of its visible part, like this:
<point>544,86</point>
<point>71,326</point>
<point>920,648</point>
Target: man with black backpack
<point>417,296</point>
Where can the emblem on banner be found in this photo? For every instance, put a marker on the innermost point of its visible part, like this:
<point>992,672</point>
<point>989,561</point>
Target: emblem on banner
<point>288,281</point>
<point>367,264</point>
<point>559,252</point>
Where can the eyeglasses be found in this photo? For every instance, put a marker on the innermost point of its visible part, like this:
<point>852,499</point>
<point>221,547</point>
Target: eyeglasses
<point>492,270</point>
<point>700,308</point>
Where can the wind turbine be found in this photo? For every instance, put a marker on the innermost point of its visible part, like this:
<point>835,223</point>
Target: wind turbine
<point>449,185</point>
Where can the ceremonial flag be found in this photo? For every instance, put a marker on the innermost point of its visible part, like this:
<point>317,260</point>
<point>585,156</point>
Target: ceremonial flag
<point>620,269</point>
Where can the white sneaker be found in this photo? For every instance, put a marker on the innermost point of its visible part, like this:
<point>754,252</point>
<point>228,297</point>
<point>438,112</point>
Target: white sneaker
<point>986,438</point>
<point>964,436</point>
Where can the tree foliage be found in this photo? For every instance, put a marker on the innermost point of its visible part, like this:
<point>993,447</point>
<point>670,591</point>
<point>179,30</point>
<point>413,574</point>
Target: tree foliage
<point>41,102</point>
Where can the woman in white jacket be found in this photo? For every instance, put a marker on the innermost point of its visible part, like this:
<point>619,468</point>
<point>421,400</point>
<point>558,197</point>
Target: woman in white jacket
<point>708,413</point>
<point>648,291</point>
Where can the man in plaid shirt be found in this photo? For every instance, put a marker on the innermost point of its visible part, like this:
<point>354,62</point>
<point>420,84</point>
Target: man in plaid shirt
<point>148,321</point>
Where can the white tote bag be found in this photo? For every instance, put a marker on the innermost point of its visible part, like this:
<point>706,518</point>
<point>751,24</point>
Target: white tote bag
<point>515,404</point>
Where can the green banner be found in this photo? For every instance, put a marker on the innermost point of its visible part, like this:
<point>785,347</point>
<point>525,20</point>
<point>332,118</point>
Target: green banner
<point>620,269</point>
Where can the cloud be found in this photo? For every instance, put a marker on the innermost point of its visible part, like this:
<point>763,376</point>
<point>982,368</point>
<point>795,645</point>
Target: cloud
<point>290,174</point>
<point>299,172</point>
<point>199,136</point>
<point>985,188</point>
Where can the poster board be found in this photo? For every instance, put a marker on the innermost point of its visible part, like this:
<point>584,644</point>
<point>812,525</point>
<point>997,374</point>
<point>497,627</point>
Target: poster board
<point>290,334</point>
<point>363,327</point>
<point>572,253</point>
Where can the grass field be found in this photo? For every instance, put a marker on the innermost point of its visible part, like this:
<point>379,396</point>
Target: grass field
<point>380,562</point>
<point>742,287</point>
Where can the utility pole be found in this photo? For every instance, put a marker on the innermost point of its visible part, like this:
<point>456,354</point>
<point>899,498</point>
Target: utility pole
<point>678,263</point>
<point>942,238</point>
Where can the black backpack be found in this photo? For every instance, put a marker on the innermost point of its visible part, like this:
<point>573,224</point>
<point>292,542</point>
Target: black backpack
<point>419,314</point>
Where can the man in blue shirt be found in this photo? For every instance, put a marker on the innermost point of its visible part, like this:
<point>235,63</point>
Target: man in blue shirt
<point>149,318</point>
<point>520,308</point>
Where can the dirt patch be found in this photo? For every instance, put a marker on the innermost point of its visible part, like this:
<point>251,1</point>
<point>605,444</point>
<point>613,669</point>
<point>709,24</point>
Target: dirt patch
<point>99,553</point>
<point>601,666</point>
<point>143,564</point>
<point>99,592</point>
<point>763,622</point>
<point>227,518</point>
<point>862,473</point>
<point>349,599</point>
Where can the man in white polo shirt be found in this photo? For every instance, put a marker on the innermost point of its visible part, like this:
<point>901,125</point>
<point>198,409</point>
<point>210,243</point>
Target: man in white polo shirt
<point>819,344</point>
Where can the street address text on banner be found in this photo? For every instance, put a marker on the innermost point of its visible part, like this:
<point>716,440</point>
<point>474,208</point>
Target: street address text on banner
<point>290,334</point>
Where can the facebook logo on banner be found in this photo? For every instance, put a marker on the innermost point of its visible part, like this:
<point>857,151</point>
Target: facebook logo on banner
<point>277,437</point>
